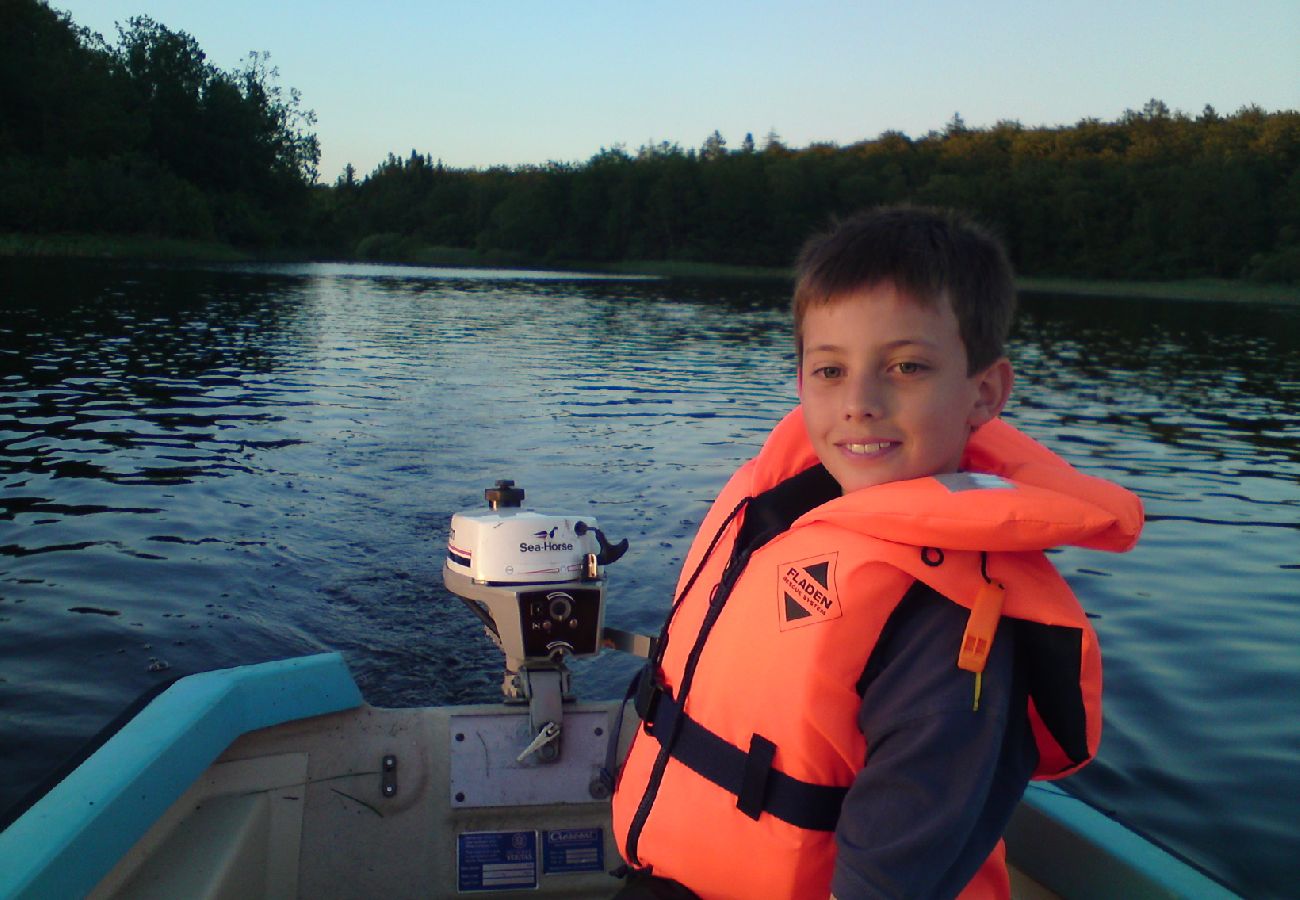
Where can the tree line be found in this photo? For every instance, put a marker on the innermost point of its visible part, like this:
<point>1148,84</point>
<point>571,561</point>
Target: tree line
<point>146,137</point>
<point>1155,194</point>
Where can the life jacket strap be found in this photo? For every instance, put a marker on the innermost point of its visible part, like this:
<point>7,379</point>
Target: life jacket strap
<point>749,775</point>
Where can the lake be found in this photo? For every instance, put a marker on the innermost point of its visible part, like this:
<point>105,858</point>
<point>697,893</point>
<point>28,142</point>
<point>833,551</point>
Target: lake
<point>203,467</point>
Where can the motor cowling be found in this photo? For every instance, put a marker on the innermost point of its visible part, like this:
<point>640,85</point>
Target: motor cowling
<point>536,579</point>
<point>512,545</point>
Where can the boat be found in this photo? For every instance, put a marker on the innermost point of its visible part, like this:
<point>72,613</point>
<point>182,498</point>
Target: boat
<point>279,780</point>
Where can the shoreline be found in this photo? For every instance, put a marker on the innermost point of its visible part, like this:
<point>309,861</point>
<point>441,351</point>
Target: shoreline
<point>169,250</point>
<point>1193,289</point>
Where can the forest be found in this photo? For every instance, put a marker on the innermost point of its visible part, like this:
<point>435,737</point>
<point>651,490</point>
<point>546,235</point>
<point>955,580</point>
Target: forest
<point>145,137</point>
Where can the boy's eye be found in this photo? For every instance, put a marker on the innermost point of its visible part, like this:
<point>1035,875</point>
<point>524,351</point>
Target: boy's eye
<point>827,371</point>
<point>909,368</point>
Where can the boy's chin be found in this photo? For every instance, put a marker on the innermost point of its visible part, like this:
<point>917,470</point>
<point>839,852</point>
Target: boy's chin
<point>852,481</point>
<point>850,484</point>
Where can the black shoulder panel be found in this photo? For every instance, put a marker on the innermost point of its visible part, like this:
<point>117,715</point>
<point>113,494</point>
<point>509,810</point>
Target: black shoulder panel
<point>1051,657</point>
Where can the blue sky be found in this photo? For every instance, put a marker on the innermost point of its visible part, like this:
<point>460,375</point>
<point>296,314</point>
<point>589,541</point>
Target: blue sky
<point>489,82</point>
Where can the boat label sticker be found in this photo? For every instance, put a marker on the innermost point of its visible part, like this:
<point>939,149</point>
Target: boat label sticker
<point>496,861</point>
<point>569,850</point>
<point>806,593</point>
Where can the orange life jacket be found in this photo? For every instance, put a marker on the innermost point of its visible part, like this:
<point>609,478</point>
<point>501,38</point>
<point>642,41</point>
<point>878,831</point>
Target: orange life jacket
<point>764,684</point>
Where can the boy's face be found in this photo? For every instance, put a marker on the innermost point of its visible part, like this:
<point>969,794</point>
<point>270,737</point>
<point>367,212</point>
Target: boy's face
<point>884,388</point>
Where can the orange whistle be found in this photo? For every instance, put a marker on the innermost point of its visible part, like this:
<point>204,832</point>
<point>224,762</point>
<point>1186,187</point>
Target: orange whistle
<point>980,627</point>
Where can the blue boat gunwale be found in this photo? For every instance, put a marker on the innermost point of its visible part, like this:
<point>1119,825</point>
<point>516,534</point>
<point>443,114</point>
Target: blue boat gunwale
<point>74,835</point>
<point>1143,867</point>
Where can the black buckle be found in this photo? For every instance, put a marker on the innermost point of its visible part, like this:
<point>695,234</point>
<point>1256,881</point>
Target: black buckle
<point>752,796</point>
<point>648,692</point>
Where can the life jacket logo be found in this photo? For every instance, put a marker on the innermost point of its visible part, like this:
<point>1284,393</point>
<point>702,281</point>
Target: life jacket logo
<point>807,593</point>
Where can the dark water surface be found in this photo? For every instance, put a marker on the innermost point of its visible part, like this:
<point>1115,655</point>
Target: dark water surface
<point>202,468</point>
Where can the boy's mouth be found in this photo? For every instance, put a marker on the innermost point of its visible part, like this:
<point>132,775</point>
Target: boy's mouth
<point>869,448</point>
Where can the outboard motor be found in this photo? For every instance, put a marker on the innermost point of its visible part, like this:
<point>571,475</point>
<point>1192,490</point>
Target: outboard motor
<point>537,580</point>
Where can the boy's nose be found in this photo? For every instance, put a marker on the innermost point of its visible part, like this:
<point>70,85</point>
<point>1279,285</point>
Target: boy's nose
<point>861,400</point>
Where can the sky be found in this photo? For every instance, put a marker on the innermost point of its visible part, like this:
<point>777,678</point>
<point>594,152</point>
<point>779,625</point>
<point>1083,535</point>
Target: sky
<point>478,83</point>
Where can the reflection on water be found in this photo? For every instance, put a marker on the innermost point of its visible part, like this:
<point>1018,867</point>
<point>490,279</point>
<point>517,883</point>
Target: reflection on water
<point>209,467</point>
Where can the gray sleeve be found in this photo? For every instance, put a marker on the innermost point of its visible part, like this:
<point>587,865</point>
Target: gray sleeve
<point>941,778</point>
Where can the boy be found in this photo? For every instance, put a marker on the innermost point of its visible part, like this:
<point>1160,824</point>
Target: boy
<point>869,655</point>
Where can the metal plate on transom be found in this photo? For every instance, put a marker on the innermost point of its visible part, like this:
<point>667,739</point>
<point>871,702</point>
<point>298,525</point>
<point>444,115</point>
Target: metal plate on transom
<point>485,771</point>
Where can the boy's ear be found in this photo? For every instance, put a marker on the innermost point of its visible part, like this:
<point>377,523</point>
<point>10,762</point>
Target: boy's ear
<point>993,388</point>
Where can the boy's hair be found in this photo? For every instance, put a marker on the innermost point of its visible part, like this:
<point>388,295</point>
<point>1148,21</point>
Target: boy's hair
<point>926,254</point>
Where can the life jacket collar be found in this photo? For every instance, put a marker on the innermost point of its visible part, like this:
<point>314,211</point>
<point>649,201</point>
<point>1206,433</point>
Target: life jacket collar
<point>1012,494</point>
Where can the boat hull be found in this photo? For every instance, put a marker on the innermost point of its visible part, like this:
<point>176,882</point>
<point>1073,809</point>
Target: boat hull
<point>278,781</point>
